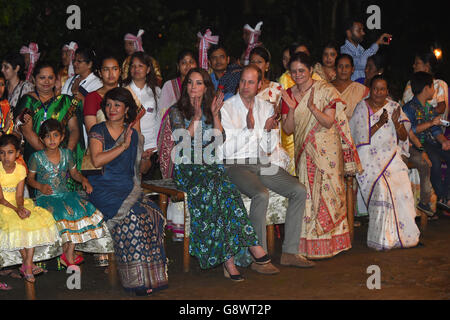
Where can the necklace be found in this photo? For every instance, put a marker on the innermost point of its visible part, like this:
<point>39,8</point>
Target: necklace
<point>302,93</point>
<point>45,106</point>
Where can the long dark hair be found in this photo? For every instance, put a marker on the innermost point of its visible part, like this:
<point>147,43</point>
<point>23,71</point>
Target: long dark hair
<point>151,80</point>
<point>122,95</point>
<point>184,104</point>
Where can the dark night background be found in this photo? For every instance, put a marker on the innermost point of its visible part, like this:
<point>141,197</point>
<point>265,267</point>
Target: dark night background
<point>170,26</point>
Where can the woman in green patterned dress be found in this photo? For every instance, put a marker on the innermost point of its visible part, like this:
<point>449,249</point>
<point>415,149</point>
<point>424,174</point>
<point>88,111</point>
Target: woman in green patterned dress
<point>42,104</point>
<point>220,227</point>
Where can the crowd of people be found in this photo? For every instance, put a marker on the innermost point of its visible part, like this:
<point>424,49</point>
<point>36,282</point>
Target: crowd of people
<point>76,143</point>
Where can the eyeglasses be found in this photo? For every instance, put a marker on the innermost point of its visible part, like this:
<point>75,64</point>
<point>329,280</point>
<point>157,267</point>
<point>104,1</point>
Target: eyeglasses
<point>80,61</point>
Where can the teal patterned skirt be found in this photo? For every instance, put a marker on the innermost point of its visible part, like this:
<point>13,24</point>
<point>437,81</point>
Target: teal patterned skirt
<point>220,227</point>
<point>77,220</point>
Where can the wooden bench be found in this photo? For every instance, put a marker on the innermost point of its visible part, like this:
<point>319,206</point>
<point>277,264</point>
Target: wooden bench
<point>166,188</point>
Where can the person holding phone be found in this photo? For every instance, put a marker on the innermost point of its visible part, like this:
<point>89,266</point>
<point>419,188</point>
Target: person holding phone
<point>354,37</point>
<point>431,141</point>
<point>376,126</point>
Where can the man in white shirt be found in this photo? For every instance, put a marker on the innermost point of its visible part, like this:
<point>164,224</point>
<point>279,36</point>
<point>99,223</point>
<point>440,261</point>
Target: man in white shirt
<point>251,139</point>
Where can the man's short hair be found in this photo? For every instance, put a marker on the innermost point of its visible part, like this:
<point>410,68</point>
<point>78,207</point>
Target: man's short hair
<point>216,47</point>
<point>253,67</point>
<point>419,80</point>
<point>348,25</point>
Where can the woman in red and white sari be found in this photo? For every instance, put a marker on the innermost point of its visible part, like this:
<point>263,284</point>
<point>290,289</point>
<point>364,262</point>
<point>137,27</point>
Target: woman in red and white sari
<point>324,152</point>
<point>171,90</point>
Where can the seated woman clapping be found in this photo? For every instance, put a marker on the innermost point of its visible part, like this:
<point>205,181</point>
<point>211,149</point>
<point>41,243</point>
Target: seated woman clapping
<point>220,227</point>
<point>135,222</point>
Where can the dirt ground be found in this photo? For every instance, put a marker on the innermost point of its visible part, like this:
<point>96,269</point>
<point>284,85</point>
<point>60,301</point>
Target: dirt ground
<point>416,273</point>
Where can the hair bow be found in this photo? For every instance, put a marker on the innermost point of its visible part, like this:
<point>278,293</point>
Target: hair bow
<point>205,42</point>
<point>33,50</point>
<point>137,40</point>
<point>254,35</point>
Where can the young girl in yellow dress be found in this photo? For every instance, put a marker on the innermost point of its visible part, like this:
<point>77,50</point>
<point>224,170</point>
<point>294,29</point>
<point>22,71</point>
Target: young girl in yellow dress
<point>23,226</point>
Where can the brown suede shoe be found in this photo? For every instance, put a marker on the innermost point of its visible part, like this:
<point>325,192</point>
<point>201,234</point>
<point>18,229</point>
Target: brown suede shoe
<point>267,268</point>
<point>295,260</point>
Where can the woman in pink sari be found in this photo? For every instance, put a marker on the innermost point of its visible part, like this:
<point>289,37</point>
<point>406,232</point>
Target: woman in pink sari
<point>324,152</point>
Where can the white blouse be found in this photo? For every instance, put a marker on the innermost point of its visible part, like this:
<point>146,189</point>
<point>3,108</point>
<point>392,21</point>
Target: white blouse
<point>151,121</point>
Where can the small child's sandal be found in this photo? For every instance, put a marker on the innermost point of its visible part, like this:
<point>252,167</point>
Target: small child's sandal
<point>4,286</point>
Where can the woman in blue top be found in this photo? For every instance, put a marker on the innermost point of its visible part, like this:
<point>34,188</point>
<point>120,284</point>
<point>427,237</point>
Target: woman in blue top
<point>136,223</point>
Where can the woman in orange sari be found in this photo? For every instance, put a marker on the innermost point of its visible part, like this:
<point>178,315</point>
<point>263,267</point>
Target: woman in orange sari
<point>324,152</point>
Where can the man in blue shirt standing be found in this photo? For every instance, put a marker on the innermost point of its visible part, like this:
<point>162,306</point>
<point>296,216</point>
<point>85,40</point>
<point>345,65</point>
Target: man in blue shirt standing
<point>223,73</point>
<point>425,124</point>
<point>355,36</point>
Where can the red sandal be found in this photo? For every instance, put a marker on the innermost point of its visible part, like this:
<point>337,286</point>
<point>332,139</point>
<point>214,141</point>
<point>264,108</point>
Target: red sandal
<point>78,260</point>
